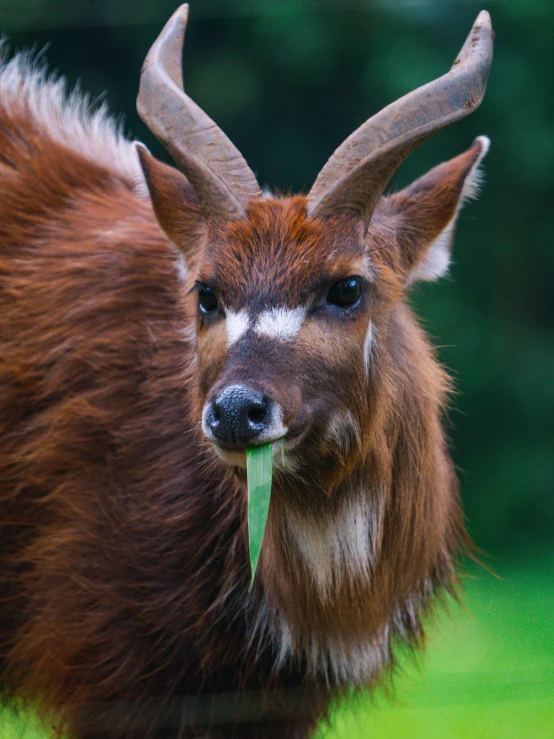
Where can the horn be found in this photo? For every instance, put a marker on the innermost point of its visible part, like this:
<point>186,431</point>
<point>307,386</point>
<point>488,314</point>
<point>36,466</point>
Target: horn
<point>215,168</point>
<point>356,175</point>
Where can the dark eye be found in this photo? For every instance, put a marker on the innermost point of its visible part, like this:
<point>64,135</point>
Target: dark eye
<point>346,293</point>
<point>206,298</point>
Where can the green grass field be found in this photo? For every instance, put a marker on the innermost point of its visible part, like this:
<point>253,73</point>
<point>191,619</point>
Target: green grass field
<point>488,671</point>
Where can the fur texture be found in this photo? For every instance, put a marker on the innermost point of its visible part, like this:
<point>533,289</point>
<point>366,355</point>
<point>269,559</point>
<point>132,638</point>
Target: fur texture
<point>123,559</point>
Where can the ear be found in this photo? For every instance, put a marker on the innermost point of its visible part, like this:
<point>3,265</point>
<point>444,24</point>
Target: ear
<point>426,212</point>
<point>175,205</point>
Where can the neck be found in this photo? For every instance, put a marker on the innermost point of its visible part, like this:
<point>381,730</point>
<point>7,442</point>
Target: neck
<point>360,534</point>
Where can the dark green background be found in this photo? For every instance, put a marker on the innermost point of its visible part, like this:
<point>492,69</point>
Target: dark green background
<point>288,81</point>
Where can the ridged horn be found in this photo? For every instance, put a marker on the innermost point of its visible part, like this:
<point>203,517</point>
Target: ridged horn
<point>222,180</point>
<point>356,175</point>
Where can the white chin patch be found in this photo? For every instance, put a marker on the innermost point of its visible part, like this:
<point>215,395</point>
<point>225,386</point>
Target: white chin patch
<point>233,457</point>
<point>237,457</point>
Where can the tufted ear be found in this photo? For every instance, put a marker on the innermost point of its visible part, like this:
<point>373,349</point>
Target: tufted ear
<point>427,210</point>
<point>175,205</point>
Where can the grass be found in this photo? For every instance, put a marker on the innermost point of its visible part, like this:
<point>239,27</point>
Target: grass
<point>259,467</point>
<point>488,672</point>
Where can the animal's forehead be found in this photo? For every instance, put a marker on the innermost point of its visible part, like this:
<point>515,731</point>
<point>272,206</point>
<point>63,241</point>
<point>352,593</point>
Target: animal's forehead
<point>278,256</point>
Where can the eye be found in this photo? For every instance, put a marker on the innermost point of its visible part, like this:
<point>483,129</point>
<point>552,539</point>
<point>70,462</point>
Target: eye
<point>206,298</point>
<point>345,293</point>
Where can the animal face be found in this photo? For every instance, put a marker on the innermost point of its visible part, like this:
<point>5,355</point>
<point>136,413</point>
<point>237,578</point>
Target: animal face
<point>293,312</point>
<point>284,306</point>
<point>291,293</point>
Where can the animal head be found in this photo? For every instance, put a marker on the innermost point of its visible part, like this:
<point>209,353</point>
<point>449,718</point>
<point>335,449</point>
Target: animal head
<point>296,298</point>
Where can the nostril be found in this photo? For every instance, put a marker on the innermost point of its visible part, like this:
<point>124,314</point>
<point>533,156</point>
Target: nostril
<point>257,412</point>
<point>238,416</point>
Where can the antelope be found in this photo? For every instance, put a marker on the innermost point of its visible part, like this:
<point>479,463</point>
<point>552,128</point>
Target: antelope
<point>157,321</point>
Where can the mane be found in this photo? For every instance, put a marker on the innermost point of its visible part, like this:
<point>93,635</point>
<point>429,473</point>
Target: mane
<point>66,116</point>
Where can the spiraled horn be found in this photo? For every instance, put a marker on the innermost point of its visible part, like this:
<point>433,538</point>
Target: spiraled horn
<point>356,175</point>
<point>215,168</point>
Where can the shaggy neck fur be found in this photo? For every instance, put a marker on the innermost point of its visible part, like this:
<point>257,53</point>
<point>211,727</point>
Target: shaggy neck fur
<point>389,506</point>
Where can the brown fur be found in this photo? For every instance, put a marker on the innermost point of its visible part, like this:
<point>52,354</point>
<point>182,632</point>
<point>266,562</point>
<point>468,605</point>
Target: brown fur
<point>123,561</point>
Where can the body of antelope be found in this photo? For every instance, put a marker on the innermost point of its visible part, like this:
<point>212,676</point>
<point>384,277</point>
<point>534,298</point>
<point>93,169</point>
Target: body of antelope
<point>155,322</point>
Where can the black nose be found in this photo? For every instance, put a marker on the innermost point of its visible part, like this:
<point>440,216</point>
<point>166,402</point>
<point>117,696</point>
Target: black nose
<point>238,416</point>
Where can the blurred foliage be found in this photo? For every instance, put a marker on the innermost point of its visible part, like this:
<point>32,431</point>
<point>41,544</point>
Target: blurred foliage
<point>288,81</point>
<point>486,674</point>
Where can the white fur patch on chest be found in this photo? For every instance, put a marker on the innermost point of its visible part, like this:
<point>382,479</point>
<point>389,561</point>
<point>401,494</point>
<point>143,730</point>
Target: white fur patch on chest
<point>334,547</point>
<point>330,548</point>
<point>339,662</point>
<point>335,660</point>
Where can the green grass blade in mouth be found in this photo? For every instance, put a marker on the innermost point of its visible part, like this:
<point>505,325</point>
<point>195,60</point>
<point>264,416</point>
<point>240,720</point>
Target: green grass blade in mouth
<point>259,467</point>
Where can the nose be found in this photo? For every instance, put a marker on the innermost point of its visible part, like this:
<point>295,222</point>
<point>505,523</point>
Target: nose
<point>239,416</point>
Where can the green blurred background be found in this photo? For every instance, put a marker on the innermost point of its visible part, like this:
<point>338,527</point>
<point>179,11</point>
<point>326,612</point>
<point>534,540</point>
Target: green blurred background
<point>288,80</point>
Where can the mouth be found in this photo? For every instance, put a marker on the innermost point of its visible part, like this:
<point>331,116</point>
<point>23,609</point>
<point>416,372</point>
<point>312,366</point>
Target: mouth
<point>233,457</point>
<point>237,457</point>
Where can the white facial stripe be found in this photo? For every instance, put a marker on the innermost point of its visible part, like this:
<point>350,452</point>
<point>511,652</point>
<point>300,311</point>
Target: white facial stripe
<point>237,324</point>
<point>280,323</point>
<point>277,323</point>
<point>368,343</point>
